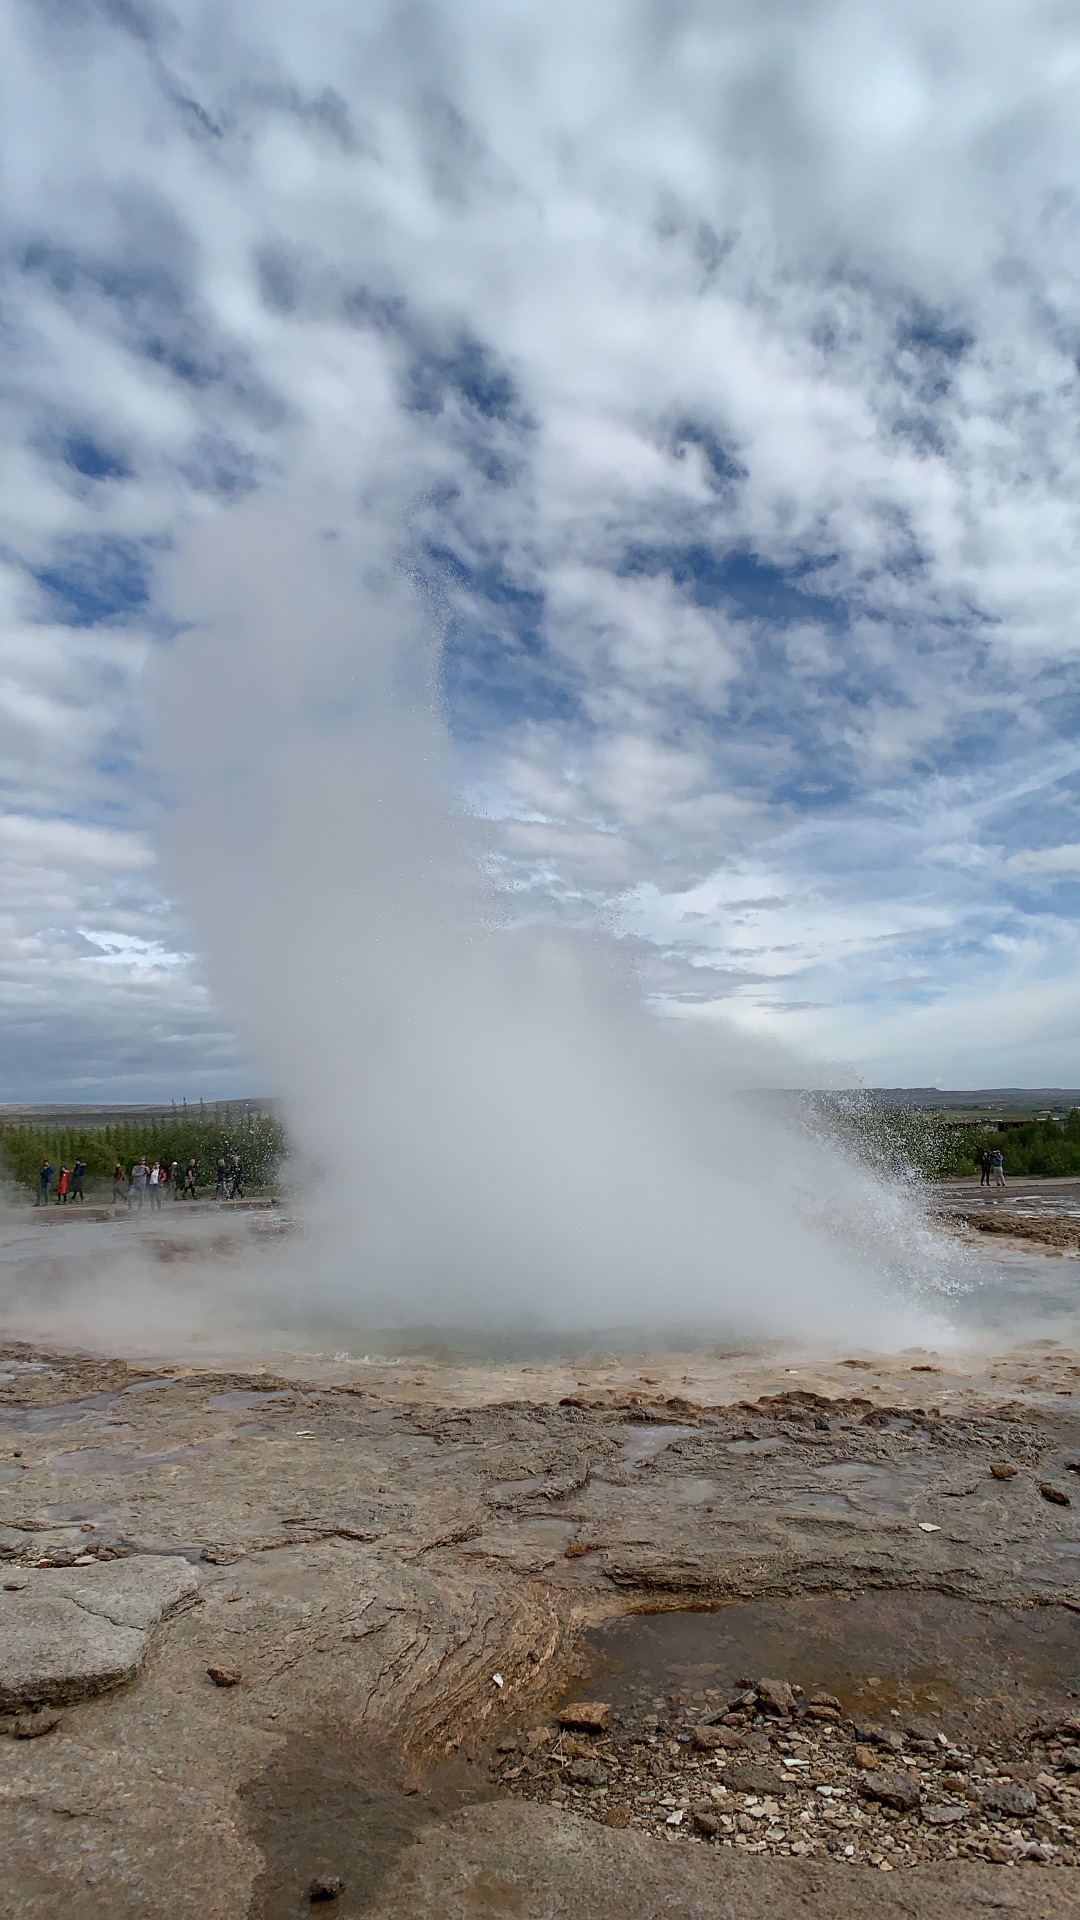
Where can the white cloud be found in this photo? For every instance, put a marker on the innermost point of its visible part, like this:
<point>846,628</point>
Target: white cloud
<point>794,285</point>
<point>1046,860</point>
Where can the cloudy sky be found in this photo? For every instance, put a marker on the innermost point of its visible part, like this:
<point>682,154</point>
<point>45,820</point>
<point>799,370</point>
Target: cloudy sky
<point>721,364</point>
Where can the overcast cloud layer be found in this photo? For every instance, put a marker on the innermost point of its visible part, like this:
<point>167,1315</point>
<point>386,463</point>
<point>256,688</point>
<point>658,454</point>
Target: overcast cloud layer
<point>718,370</point>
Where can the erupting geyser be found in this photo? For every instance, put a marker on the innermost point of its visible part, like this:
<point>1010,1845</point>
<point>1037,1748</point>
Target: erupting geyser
<point>494,1132</point>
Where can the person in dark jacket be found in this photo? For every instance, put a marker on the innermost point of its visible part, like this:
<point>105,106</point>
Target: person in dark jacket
<point>78,1180</point>
<point>44,1183</point>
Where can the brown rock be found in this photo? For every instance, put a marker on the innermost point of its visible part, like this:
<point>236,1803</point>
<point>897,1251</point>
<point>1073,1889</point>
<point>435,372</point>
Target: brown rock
<point>587,1773</point>
<point>944,1812</point>
<point>822,1712</point>
<point>866,1757</point>
<point>325,1887</point>
<point>706,1822</point>
<point>618,1814</point>
<point>891,1790</point>
<point>575,1549</point>
<point>590,1716</point>
<point>713,1739</point>
<point>30,1726</point>
<point>775,1696</point>
<point>747,1778</point>
<point>1054,1494</point>
<point>225,1676</point>
<point>1006,1797</point>
<point>1001,1470</point>
<point>574,1749</point>
<point>997,1853</point>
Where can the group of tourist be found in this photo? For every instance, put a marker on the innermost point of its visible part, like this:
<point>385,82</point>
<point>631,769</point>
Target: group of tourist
<point>147,1183</point>
<point>991,1168</point>
<point>70,1183</point>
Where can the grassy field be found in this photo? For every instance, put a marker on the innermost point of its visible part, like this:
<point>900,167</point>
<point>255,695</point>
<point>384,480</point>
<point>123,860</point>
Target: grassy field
<point>176,1133</point>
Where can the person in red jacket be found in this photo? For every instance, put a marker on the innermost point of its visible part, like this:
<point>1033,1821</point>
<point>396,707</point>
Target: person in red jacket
<point>62,1188</point>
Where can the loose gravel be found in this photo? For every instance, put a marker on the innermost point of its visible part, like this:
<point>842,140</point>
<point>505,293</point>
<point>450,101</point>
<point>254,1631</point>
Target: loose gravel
<point>767,1770</point>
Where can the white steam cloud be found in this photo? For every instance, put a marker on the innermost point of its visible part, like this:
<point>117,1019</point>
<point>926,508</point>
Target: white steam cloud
<point>495,1134</point>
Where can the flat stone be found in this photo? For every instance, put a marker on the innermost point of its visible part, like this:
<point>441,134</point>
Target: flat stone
<point>69,1632</point>
<point>891,1789</point>
<point>944,1812</point>
<point>53,1651</point>
<point>747,1778</point>
<point>1006,1797</point>
<point>135,1592</point>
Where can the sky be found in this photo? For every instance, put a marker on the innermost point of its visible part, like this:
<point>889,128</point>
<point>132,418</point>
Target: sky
<point>717,369</point>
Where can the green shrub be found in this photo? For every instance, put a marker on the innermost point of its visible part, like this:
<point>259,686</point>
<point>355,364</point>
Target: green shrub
<point>174,1134</point>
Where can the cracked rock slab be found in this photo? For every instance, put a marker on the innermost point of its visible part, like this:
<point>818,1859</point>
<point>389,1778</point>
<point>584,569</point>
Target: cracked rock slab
<point>137,1592</point>
<point>73,1632</point>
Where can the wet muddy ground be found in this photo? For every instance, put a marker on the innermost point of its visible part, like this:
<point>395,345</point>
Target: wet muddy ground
<point>406,1571</point>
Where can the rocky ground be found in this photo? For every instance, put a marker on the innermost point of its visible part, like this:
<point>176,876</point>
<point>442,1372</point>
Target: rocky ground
<point>262,1632</point>
<point>780,1772</point>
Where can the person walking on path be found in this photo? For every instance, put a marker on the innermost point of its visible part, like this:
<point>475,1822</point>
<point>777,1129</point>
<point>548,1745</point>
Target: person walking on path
<point>62,1188</point>
<point>984,1164</point>
<point>219,1187</point>
<point>189,1179</point>
<point>997,1167</point>
<point>140,1174</point>
<point>78,1180</point>
<point>44,1183</point>
<point>236,1192</point>
<point>118,1182</point>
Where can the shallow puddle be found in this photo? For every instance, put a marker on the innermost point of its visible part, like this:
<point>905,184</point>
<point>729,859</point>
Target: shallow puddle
<point>328,1805</point>
<point>974,1668</point>
<point>648,1442</point>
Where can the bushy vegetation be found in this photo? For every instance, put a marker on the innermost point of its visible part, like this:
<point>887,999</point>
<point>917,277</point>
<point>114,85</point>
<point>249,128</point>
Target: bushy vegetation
<point>177,1133</point>
<point>1040,1146</point>
<point>918,1143</point>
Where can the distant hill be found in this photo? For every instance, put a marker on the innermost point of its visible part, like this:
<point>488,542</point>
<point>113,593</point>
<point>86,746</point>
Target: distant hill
<point>980,1099</point>
<point>69,1114</point>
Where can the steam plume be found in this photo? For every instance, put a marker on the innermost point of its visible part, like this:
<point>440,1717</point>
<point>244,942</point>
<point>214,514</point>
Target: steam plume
<point>494,1133</point>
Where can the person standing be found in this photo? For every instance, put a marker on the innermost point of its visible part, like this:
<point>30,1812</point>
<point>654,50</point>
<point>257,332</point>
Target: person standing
<point>190,1173</point>
<point>62,1188</point>
<point>997,1167</point>
<point>172,1180</point>
<point>155,1183</point>
<point>140,1174</point>
<point>118,1182</point>
<point>219,1185</point>
<point>984,1163</point>
<point>78,1180</point>
<point>44,1183</point>
<point>237,1189</point>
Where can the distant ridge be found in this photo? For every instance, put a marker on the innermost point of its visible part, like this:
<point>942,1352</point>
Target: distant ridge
<point>69,1113</point>
<point>1014,1099</point>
